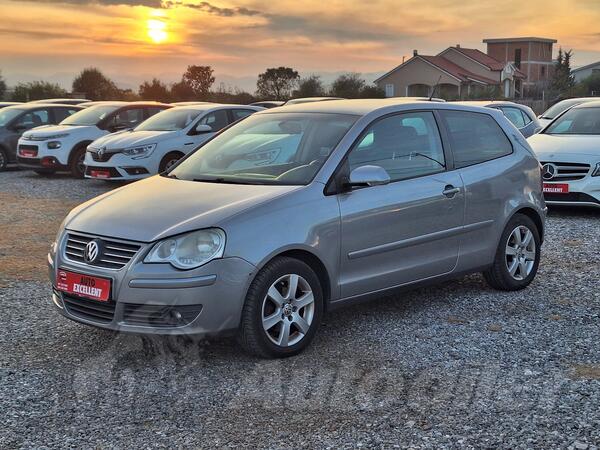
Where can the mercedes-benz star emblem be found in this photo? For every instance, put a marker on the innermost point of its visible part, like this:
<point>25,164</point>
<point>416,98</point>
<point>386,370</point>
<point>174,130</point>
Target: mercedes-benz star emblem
<point>548,171</point>
<point>91,252</point>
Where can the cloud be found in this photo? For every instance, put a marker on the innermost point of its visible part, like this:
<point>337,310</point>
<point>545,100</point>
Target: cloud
<point>212,9</point>
<point>148,3</point>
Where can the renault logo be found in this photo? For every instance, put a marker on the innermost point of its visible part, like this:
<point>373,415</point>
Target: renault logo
<point>91,252</point>
<point>101,151</point>
<point>548,171</point>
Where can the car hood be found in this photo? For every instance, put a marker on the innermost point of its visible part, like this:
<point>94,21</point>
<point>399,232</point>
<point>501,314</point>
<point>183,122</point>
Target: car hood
<point>565,147</point>
<point>125,139</point>
<point>51,130</point>
<point>158,207</point>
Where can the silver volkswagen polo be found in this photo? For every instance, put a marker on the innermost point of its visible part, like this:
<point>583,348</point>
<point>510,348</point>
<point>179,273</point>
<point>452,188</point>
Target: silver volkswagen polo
<point>299,210</point>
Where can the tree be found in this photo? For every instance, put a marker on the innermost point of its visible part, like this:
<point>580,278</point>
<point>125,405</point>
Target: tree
<point>348,85</point>
<point>199,79</point>
<point>309,87</point>
<point>94,85</point>
<point>372,91</point>
<point>562,81</point>
<point>155,90</point>
<point>2,86</point>
<point>276,83</point>
<point>37,90</point>
<point>182,91</point>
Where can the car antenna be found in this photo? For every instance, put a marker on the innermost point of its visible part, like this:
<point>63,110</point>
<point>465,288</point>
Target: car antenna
<point>435,87</point>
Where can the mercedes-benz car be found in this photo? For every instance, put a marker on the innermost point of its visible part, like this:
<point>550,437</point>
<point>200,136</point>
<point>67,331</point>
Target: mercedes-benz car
<point>558,108</point>
<point>569,151</point>
<point>377,195</point>
<point>159,142</point>
<point>62,147</point>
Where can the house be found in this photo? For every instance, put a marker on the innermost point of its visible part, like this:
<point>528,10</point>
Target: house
<point>531,55</point>
<point>454,73</point>
<point>581,73</point>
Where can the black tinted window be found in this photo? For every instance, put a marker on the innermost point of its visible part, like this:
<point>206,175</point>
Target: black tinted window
<point>405,145</point>
<point>61,114</point>
<point>475,137</point>
<point>241,113</point>
<point>217,120</point>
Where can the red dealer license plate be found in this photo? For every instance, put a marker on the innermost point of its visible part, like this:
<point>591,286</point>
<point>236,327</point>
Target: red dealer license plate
<point>556,188</point>
<point>81,285</point>
<point>28,153</point>
<point>100,174</point>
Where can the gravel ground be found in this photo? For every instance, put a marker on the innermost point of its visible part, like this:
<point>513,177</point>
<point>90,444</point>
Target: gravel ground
<point>453,366</point>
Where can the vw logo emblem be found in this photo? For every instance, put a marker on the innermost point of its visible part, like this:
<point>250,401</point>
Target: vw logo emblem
<point>548,171</point>
<point>91,252</point>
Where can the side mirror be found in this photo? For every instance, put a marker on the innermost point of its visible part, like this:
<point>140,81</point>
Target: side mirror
<point>368,176</point>
<point>202,129</point>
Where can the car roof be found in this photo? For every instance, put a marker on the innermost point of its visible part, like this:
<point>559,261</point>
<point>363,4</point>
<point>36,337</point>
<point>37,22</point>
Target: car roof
<point>26,106</point>
<point>487,102</point>
<point>209,106</point>
<point>362,107</point>
<point>588,104</point>
<point>58,100</point>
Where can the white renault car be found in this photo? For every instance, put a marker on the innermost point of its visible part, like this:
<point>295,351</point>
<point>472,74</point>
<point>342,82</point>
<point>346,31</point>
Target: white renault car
<point>569,151</point>
<point>52,148</point>
<point>158,143</point>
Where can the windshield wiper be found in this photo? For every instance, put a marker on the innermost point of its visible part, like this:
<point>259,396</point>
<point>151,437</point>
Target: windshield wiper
<point>223,181</point>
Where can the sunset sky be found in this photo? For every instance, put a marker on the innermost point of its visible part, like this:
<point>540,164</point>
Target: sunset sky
<point>132,40</point>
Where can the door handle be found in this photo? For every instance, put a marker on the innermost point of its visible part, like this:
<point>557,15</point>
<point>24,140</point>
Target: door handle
<point>450,191</point>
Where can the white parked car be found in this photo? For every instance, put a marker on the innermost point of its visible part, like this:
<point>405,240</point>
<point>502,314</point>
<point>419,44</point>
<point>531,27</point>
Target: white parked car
<point>558,108</point>
<point>158,143</point>
<point>569,151</point>
<point>62,146</point>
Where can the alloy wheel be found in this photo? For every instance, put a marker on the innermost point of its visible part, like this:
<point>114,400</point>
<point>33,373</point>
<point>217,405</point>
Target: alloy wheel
<point>520,253</point>
<point>288,310</point>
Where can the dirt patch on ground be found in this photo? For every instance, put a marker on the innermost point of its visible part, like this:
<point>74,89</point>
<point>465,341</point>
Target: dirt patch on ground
<point>27,228</point>
<point>586,372</point>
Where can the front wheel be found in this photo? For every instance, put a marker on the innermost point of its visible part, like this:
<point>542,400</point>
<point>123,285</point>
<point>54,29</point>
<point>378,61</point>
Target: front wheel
<point>283,309</point>
<point>3,160</point>
<point>168,161</point>
<point>517,257</point>
<point>77,166</point>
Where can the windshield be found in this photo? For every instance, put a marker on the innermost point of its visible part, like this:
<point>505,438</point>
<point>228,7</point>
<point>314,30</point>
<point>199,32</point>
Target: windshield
<point>282,148</point>
<point>577,121</point>
<point>90,116</point>
<point>169,120</point>
<point>555,110</point>
<point>8,114</point>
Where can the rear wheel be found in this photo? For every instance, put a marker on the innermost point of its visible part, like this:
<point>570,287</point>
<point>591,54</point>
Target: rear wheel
<point>76,165</point>
<point>169,160</point>
<point>3,159</point>
<point>283,309</point>
<point>517,257</point>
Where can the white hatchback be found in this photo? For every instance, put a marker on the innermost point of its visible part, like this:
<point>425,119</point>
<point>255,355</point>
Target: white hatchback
<point>158,143</point>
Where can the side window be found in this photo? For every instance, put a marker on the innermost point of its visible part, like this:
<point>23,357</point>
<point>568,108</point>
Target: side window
<point>514,115</point>
<point>475,137</point>
<point>129,117</point>
<point>241,113</point>
<point>217,120</point>
<point>61,114</point>
<point>405,145</point>
<point>152,110</point>
<point>34,118</point>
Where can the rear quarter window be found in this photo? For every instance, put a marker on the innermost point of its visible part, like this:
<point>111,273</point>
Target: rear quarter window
<point>475,137</point>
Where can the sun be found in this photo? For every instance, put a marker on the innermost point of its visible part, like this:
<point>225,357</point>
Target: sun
<point>157,30</point>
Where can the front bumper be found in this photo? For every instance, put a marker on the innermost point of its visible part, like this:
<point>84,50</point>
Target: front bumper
<point>159,299</point>
<point>40,163</point>
<point>584,192</point>
<point>119,167</point>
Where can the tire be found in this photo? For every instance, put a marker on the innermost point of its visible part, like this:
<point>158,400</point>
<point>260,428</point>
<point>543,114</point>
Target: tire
<point>45,172</point>
<point>3,160</point>
<point>168,161</point>
<point>76,166</point>
<point>263,325</point>
<point>516,261</point>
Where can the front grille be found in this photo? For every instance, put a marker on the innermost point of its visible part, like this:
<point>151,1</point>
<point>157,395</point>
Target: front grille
<point>100,158</point>
<point>92,310</point>
<point>568,171</point>
<point>113,254</point>
<point>28,147</point>
<point>160,315</point>
<point>573,197</point>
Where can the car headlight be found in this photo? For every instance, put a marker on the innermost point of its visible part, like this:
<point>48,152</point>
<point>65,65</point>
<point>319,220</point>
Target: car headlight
<point>52,145</point>
<point>596,172</point>
<point>190,250</point>
<point>141,151</point>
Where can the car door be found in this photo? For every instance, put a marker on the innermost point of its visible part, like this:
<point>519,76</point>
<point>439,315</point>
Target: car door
<point>127,118</point>
<point>406,230</point>
<point>216,120</point>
